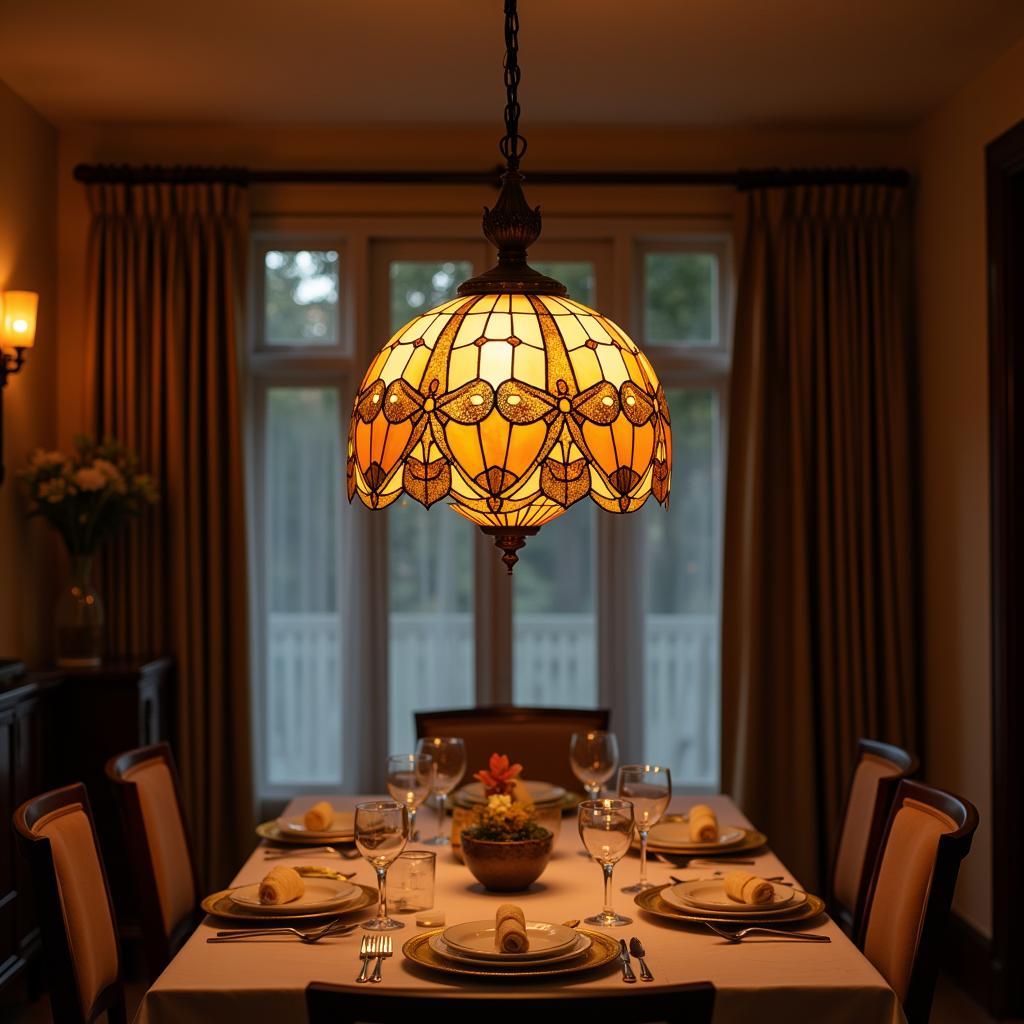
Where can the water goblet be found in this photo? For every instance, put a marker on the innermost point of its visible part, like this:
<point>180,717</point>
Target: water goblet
<point>382,830</point>
<point>649,788</point>
<point>594,756</point>
<point>409,778</point>
<point>606,828</point>
<point>449,756</point>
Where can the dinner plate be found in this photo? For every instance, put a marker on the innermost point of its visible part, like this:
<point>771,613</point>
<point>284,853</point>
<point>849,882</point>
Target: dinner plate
<point>476,938</point>
<point>653,902</point>
<point>319,894</point>
<point>710,896</point>
<point>603,951</point>
<point>677,835</point>
<point>270,831</point>
<point>343,826</point>
<point>472,794</point>
<point>220,904</point>
<point>751,840</point>
<point>578,948</point>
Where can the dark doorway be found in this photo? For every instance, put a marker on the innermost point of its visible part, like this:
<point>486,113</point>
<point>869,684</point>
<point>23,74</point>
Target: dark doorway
<point>1005,169</point>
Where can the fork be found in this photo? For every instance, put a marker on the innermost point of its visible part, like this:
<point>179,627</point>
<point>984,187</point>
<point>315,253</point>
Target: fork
<point>384,950</point>
<point>274,853</point>
<point>685,862</point>
<point>336,928</point>
<point>770,878</point>
<point>367,951</point>
<point>739,936</point>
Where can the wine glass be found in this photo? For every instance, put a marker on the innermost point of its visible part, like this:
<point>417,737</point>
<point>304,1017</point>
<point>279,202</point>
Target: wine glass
<point>606,828</point>
<point>409,777</point>
<point>594,756</point>
<point>649,788</point>
<point>449,754</point>
<point>382,830</point>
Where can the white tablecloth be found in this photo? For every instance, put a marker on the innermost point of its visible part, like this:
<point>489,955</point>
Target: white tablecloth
<point>762,981</point>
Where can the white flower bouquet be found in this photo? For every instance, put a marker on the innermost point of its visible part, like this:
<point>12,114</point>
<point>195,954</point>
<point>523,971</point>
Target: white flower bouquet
<point>88,494</point>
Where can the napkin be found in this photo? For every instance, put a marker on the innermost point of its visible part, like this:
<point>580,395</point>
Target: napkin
<point>282,885</point>
<point>510,929</point>
<point>703,824</point>
<point>319,817</point>
<point>746,888</point>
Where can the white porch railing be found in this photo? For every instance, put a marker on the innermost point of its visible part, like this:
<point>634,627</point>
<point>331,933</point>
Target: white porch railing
<point>431,666</point>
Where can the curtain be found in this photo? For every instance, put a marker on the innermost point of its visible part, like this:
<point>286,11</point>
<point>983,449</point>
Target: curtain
<point>166,265</point>
<point>818,605</point>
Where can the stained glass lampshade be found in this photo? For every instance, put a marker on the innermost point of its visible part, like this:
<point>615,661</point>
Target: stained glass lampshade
<point>512,400</point>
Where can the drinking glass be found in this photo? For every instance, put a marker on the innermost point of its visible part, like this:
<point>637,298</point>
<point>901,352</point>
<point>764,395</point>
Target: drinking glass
<point>449,754</point>
<point>606,828</point>
<point>649,788</point>
<point>594,756</point>
<point>382,830</point>
<point>409,777</point>
<point>412,881</point>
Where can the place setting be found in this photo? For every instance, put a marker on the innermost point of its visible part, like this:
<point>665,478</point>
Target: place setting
<point>699,835</point>
<point>510,946</point>
<point>321,826</point>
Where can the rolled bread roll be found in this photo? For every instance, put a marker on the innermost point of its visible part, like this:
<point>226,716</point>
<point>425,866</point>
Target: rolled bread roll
<point>703,824</point>
<point>510,929</point>
<point>319,817</point>
<point>746,888</point>
<point>282,885</point>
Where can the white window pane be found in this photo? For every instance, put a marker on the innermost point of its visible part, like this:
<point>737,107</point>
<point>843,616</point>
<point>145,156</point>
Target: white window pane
<point>300,296</point>
<point>554,660</point>
<point>430,556</point>
<point>683,573</point>
<point>302,702</point>
<point>681,298</point>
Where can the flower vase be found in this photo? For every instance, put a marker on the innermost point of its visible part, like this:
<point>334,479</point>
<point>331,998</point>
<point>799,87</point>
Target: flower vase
<point>79,619</point>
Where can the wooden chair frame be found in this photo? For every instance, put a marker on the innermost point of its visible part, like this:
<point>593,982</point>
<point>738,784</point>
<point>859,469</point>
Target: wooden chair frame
<point>158,946</point>
<point>952,849</point>
<point>906,766</point>
<point>58,959</point>
<point>679,1004</point>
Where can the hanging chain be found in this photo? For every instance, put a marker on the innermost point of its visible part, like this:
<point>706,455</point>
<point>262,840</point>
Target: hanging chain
<point>513,145</point>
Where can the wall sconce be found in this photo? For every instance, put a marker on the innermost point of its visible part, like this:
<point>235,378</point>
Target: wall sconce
<point>17,334</point>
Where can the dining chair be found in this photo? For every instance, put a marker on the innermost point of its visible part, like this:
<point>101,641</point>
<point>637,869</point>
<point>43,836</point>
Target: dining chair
<point>673,1004</point>
<point>538,738</point>
<point>157,837</point>
<point>56,835</point>
<point>928,834</point>
<point>878,772</point>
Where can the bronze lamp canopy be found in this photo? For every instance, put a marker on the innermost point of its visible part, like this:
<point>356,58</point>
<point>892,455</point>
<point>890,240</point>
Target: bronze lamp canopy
<point>513,401</point>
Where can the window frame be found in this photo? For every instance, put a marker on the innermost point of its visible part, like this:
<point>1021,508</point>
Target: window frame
<point>618,245</point>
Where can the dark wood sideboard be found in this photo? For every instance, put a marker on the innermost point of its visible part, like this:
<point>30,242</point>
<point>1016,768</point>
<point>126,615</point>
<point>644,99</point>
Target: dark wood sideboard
<point>57,726</point>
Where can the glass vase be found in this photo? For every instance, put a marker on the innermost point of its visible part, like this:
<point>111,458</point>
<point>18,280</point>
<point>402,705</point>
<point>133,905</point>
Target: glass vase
<point>79,618</point>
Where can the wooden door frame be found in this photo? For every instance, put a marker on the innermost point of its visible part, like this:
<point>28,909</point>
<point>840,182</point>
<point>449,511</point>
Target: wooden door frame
<point>1005,202</point>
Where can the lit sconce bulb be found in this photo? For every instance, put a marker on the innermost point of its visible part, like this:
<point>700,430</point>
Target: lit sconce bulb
<point>18,324</point>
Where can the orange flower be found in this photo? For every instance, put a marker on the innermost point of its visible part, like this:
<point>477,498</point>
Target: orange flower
<point>499,773</point>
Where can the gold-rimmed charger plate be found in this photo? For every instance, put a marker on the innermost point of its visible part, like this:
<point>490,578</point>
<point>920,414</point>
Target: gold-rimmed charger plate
<point>270,831</point>
<point>752,840</point>
<point>220,904</point>
<point>602,951</point>
<point>652,901</point>
<point>567,804</point>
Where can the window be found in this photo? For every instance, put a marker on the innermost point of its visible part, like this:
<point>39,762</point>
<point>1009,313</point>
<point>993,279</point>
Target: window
<point>363,618</point>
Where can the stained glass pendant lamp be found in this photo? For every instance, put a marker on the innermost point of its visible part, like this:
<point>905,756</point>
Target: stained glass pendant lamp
<point>512,400</point>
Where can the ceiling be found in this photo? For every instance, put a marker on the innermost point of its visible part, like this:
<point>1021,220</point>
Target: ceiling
<point>670,62</point>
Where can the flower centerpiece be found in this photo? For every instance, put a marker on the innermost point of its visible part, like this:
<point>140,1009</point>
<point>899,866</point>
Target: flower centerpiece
<point>85,496</point>
<point>504,847</point>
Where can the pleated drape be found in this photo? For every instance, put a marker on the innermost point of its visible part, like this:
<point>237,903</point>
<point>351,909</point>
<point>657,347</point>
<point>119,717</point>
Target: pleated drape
<point>819,587</point>
<point>166,267</point>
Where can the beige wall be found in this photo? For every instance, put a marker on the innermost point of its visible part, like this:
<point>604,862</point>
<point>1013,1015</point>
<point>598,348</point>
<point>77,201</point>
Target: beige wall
<point>953,346</point>
<point>28,249</point>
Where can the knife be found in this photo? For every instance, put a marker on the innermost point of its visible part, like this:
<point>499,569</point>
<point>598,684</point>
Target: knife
<point>313,871</point>
<point>627,970</point>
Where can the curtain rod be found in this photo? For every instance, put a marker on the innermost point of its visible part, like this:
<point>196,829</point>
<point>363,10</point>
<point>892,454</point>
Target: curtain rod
<point>742,179</point>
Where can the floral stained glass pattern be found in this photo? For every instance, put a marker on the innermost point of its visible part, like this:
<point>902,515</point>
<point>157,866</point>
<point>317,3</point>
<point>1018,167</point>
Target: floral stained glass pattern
<point>514,407</point>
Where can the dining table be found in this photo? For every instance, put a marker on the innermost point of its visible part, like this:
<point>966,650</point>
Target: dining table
<point>766,979</point>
